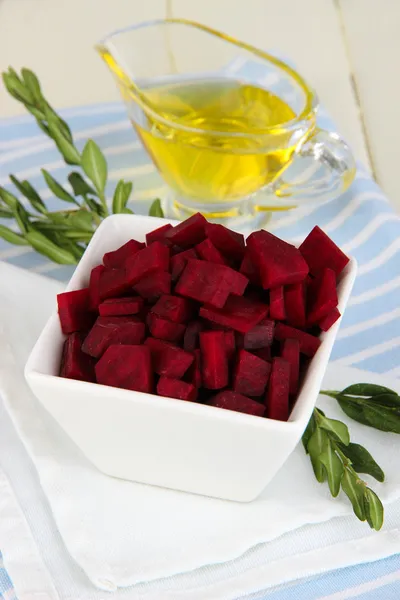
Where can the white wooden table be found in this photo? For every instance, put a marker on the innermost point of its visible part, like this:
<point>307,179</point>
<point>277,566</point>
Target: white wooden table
<point>348,49</point>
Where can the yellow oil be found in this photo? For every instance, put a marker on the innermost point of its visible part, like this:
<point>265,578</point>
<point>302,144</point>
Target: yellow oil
<point>212,143</point>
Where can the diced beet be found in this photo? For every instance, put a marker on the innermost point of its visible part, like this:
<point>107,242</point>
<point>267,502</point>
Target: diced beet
<point>322,296</point>
<point>168,359</point>
<point>230,344</point>
<point>207,251</point>
<point>229,242</point>
<point>214,360</point>
<point>73,311</point>
<point>277,303</point>
<point>251,374</point>
<point>240,314</point>
<point>295,304</point>
<point>113,330</point>
<point>188,233</point>
<point>113,283</point>
<point>178,262</point>
<point>176,250</point>
<point>164,329</point>
<point>94,287</point>
<point>309,344</point>
<point>173,308</point>
<point>153,258</point>
<point>127,367</point>
<point>291,353</point>
<point>118,258</point>
<point>279,263</point>
<point>260,336</point>
<point>154,285</point>
<point>264,353</point>
<point>238,403</point>
<point>75,364</point>
<point>191,337</point>
<point>320,252</point>
<point>158,235</point>
<point>249,269</point>
<point>277,398</point>
<point>327,322</point>
<point>193,374</point>
<point>175,388</point>
<point>121,306</point>
<point>211,283</point>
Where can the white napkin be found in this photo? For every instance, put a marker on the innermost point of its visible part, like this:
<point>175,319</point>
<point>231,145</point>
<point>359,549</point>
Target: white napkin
<point>125,534</point>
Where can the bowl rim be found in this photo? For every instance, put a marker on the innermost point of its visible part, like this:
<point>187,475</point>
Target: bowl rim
<point>300,413</point>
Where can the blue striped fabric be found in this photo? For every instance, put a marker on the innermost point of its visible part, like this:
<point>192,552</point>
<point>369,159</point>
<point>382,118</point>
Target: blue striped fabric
<point>361,221</point>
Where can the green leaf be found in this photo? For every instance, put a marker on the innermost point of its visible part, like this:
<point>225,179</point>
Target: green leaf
<point>11,237</point>
<point>128,211</point>
<point>78,236</point>
<point>156,209</point>
<point>80,219</point>
<point>95,207</point>
<point>335,428</point>
<point>315,447</point>
<point>382,418</point>
<point>333,466</point>
<point>67,149</point>
<point>30,193</point>
<point>16,88</point>
<point>32,83</point>
<point>6,214</point>
<point>22,218</point>
<point>121,196</point>
<point>366,389</point>
<point>43,245</point>
<point>353,411</point>
<point>57,189</point>
<point>80,185</point>
<point>362,461</point>
<point>94,165</point>
<point>389,400</point>
<point>373,509</point>
<point>354,490</point>
<point>309,430</point>
<point>9,199</point>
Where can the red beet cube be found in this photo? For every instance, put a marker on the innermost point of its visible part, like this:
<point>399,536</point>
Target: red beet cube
<point>237,402</point>
<point>193,374</point>
<point>240,314</point>
<point>327,322</point>
<point>309,344</point>
<point>277,309</point>
<point>188,233</point>
<point>118,258</point>
<point>322,297</point>
<point>175,388</point>
<point>168,359</point>
<point>191,337</point>
<point>211,283</point>
<point>260,336</point>
<point>295,304</point>
<point>94,287</point>
<point>114,307</point>
<point>150,259</point>
<point>320,252</point>
<point>113,283</point>
<point>127,367</point>
<point>158,235</point>
<point>163,329</point>
<point>75,364</point>
<point>278,390</point>
<point>264,353</point>
<point>279,263</point>
<point>230,344</point>
<point>291,353</point>
<point>251,374</point>
<point>113,330</point>
<point>154,285</point>
<point>207,251</point>
<point>230,243</point>
<point>214,360</point>
<point>173,308</point>
<point>249,269</point>
<point>178,262</point>
<point>73,310</point>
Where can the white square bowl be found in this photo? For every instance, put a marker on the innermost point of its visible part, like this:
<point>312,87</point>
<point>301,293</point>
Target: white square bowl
<point>162,441</point>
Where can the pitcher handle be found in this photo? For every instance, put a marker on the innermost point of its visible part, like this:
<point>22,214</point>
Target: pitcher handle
<point>322,169</point>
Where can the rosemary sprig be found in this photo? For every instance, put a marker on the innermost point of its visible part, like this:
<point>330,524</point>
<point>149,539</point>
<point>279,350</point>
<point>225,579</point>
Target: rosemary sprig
<point>63,235</point>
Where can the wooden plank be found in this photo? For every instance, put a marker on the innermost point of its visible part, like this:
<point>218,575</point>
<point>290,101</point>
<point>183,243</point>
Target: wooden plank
<point>56,39</point>
<point>306,31</point>
<point>372,32</point>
